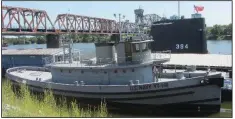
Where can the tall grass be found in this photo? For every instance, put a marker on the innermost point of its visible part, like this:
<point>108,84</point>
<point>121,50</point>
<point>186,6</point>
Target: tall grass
<point>26,104</point>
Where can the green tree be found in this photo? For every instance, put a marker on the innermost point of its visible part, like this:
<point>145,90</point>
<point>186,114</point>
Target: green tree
<point>219,32</point>
<point>228,29</point>
<point>41,40</point>
<point>33,40</point>
<point>216,30</point>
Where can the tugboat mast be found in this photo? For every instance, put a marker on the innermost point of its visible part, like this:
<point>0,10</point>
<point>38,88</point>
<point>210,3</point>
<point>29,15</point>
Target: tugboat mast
<point>120,24</point>
<point>67,43</point>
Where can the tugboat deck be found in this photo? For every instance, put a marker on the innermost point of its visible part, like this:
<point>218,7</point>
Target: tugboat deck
<point>224,74</point>
<point>32,75</point>
<point>42,51</point>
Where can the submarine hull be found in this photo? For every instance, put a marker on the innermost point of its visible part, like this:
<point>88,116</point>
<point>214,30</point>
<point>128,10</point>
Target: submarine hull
<point>179,36</point>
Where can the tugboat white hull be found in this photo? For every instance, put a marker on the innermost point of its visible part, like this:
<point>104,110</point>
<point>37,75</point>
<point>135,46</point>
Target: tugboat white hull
<point>185,95</point>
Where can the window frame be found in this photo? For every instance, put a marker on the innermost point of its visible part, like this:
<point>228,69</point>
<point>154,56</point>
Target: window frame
<point>146,47</point>
<point>134,47</point>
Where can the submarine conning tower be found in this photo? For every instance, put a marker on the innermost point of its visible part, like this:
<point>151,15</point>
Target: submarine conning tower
<point>135,49</point>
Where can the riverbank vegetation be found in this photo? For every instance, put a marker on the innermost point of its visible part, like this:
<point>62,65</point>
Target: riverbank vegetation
<point>216,32</point>
<point>219,32</point>
<point>82,38</point>
<point>30,105</point>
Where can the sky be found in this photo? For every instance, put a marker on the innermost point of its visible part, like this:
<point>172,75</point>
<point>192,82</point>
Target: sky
<point>215,12</point>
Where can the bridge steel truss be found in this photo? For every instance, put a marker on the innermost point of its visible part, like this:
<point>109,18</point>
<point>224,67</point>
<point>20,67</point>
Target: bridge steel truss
<point>26,21</point>
<point>17,20</point>
<point>85,25</point>
<point>149,19</point>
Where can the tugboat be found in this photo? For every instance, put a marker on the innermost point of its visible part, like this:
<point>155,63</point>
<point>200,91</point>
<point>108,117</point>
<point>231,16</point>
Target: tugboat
<point>122,75</point>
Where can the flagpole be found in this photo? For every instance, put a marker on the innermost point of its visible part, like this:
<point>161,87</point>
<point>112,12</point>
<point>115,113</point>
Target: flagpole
<point>179,9</point>
<point>194,9</point>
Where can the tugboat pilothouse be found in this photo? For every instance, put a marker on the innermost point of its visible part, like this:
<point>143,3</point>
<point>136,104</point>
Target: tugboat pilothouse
<point>124,74</point>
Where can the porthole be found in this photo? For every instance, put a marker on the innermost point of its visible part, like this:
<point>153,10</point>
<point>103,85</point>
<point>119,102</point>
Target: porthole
<point>115,71</point>
<point>82,71</point>
<point>61,70</point>
<point>69,71</point>
<point>124,71</point>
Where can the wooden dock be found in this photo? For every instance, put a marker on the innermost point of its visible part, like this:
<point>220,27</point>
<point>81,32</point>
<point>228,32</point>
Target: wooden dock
<point>202,61</point>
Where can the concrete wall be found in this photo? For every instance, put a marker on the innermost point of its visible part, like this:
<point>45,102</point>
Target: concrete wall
<point>98,76</point>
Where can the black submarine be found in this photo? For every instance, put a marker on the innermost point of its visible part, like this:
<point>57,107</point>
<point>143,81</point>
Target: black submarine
<point>178,34</point>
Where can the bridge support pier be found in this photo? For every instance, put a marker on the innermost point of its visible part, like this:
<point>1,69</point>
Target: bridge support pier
<point>115,37</point>
<point>53,41</point>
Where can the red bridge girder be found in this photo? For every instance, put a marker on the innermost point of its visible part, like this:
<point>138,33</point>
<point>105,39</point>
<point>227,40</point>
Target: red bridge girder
<point>85,24</point>
<point>26,21</point>
<point>16,19</point>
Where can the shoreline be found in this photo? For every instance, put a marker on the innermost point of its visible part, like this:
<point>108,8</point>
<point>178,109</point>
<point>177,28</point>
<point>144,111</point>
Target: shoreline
<point>92,42</point>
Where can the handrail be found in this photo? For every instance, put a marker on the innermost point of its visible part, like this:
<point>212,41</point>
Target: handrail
<point>33,68</point>
<point>118,61</point>
<point>24,80</point>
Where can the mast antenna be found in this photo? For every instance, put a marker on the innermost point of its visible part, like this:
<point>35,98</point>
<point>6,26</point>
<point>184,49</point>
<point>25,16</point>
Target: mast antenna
<point>67,42</point>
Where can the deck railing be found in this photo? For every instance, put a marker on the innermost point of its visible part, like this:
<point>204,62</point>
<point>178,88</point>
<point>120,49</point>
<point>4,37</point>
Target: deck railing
<point>162,54</point>
<point>119,61</point>
<point>22,68</point>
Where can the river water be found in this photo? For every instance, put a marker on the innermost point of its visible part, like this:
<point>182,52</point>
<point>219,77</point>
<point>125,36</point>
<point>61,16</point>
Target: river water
<point>213,46</point>
<point>219,47</point>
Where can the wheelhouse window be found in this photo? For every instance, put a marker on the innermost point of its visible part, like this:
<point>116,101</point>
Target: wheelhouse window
<point>144,46</point>
<point>149,45</point>
<point>136,47</point>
